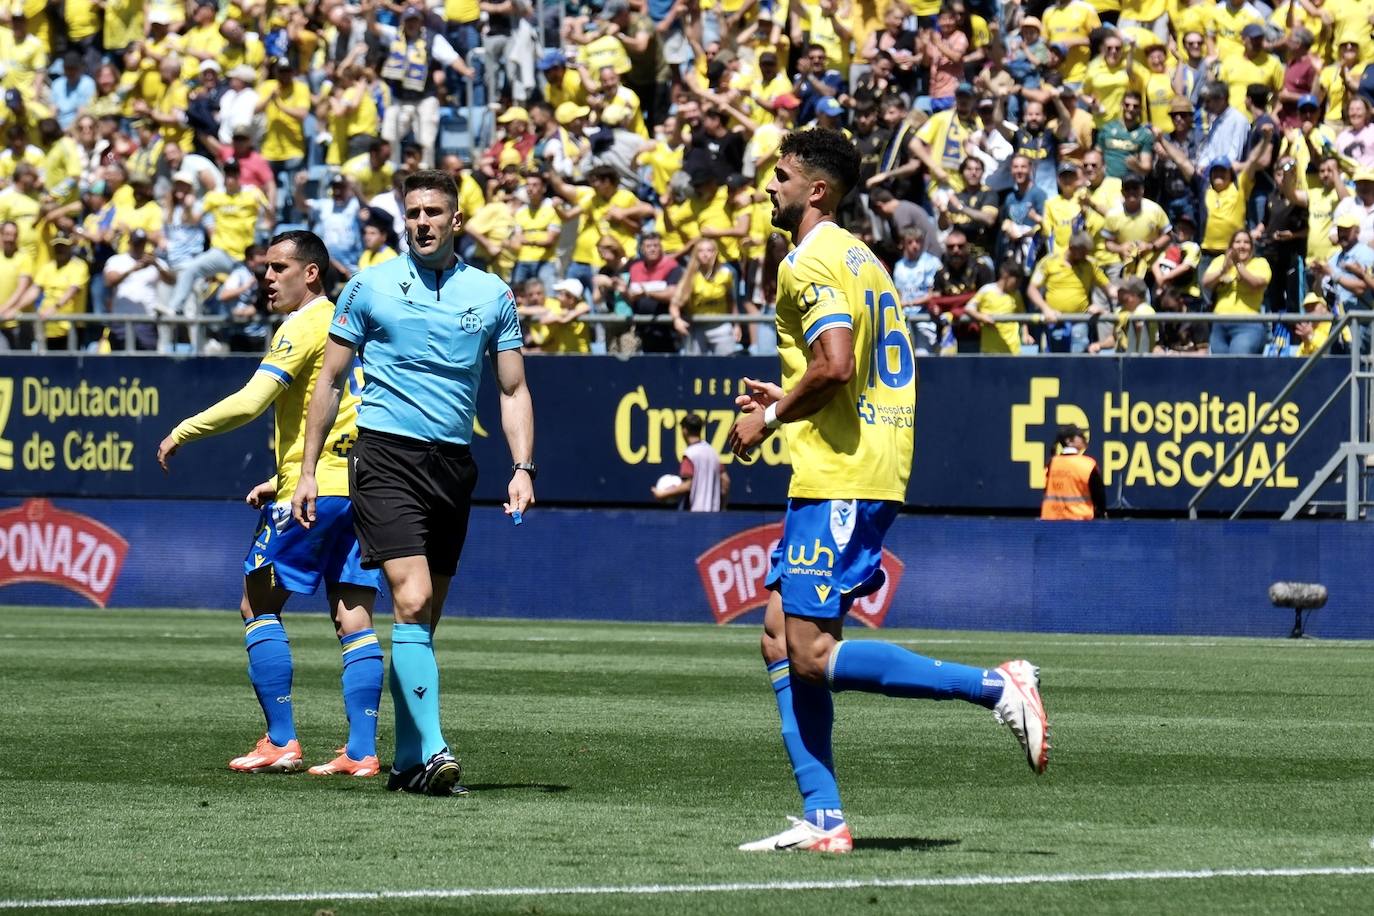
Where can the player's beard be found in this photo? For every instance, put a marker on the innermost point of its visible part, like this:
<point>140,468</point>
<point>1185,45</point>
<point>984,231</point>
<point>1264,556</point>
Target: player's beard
<point>788,217</point>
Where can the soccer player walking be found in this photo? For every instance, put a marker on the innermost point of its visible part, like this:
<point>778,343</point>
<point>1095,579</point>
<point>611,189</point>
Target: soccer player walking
<point>847,406</point>
<point>424,324</point>
<point>286,557</point>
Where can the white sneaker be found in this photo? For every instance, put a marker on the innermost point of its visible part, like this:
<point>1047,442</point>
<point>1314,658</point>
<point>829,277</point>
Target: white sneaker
<point>804,835</point>
<point>1021,709</point>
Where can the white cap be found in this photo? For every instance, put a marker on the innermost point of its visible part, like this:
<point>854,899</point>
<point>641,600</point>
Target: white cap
<point>211,65</point>
<point>185,175</point>
<point>570,285</point>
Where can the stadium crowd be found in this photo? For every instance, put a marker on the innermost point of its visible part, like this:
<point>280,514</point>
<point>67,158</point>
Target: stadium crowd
<point>1102,158</point>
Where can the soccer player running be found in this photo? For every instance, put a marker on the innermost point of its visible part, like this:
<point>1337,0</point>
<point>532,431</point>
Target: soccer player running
<point>847,406</point>
<point>286,558</point>
<point>424,324</point>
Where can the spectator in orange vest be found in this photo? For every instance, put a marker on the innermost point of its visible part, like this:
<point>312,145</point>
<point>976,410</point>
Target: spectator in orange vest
<point>1073,484</point>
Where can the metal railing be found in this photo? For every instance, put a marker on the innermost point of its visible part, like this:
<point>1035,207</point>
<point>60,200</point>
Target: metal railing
<point>197,326</point>
<point>1352,453</point>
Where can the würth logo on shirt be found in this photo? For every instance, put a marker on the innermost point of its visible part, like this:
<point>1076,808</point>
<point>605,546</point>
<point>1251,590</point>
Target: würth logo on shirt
<point>41,543</point>
<point>733,573</point>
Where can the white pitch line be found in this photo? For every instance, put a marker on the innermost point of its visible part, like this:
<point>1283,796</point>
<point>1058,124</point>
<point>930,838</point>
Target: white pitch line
<point>665,889</point>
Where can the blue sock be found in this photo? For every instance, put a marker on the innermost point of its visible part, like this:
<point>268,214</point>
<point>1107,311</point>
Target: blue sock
<point>407,738</point>
<point>362,690</point>
<point>881,667</point>
<point>415,678</point>
<point>807,712</point>
<point>269,668</point>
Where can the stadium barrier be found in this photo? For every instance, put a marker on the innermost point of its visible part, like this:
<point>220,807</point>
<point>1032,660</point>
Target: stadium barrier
<point>1207,578</point>
<point>608,428</point>
<point>197,327</point>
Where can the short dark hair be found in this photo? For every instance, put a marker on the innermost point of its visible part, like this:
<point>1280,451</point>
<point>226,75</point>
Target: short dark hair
<point>603,173</point>
<point>693,424</point>
<point>230,169</point>
<point>826,151</point>
<point>1258,94</point>
<point>1011,269</point>
<point>308,246</point>
<point>432,180</point>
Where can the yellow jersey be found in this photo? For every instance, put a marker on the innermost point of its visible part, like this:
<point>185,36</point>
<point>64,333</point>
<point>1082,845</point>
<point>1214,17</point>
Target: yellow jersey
<point>294,362</point>
<point>1074,19</point>
<point>538,242</point>
<point>55,282</point>
<point>236,218</point>
<point>285,138</point>
<point>1000,337</point>
<point>12,267</point>
<point>858,446</point>
<point>1233,297</point>
<point>1068,288</point>
<point>1228,24</point>
<point>370,181</point>
<point>373,258</point>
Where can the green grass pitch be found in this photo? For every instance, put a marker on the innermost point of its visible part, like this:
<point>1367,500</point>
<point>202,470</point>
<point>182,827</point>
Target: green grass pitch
<point>619,755</point>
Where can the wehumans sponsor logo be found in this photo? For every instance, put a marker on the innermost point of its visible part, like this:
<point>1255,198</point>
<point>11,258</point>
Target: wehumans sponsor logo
<point>733,574</point>
<point>1158,443</point>
<point>41,543</point>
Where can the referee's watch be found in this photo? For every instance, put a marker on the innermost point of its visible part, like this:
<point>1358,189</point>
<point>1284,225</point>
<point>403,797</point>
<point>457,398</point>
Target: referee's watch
<point>527,466</point>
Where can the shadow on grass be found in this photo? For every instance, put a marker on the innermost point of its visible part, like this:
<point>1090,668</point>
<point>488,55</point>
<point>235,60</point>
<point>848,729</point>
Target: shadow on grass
<point>900,843</point>
<point>548,788</point>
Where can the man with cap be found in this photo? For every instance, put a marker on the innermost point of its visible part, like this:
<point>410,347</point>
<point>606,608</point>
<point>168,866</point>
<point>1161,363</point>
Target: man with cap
<point>563,84</point>
<point>1167,184</point>
<point>939,143</point>
<point>570,148</point>
<point>830,116</point>
<point>1361,203</point>
<point>335,219</point>
<point>1073,483</point>
<point>238,106</point>
<point>132,283</point>
<point>416,54</point>
<point>1256,66</point>
<point>1229,21</point>
<point>1346,276</point>
<point>1135,230</point>
<point>515,124</point>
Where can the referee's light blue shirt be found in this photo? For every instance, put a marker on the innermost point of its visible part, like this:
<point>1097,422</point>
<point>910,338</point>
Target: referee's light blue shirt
<point>423,336</point>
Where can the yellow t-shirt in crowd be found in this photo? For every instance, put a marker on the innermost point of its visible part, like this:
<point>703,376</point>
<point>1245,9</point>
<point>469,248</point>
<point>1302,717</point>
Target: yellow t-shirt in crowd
<point>595,224</point>
<point>1236,298</point>
<point>711,295</point>
<point>1225,213</point>
<point>236,218</point>
<point>1075,19</point>
<point>373,258</point>
<point>370,181</point>
<point>1067,288</point>
<point>55,282</point>
<point>1000,337</point>
<point>12,267</point>
<point>537,243</point>
<point>285,136</point>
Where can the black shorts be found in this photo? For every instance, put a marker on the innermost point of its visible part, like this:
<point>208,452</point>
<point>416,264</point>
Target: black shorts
<point>410,498</point>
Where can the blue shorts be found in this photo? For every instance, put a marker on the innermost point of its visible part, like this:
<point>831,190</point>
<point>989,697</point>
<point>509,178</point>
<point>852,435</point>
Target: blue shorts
<point>831,553</point>
<point>299,558</point>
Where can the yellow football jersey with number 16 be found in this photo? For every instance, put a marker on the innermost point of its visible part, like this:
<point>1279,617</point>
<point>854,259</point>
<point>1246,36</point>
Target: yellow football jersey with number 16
<point>859,446</point>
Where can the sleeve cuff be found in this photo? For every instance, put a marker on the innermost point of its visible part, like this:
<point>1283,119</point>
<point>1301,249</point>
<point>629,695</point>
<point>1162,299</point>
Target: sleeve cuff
<point>280,375</point>
<point>509,345</point>
<point>825,323</point>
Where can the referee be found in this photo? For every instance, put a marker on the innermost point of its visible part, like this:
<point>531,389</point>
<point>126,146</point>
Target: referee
<point>423,324</point>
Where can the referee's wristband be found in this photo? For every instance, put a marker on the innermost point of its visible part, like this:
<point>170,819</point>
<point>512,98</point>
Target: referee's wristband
<point>770,416</point>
